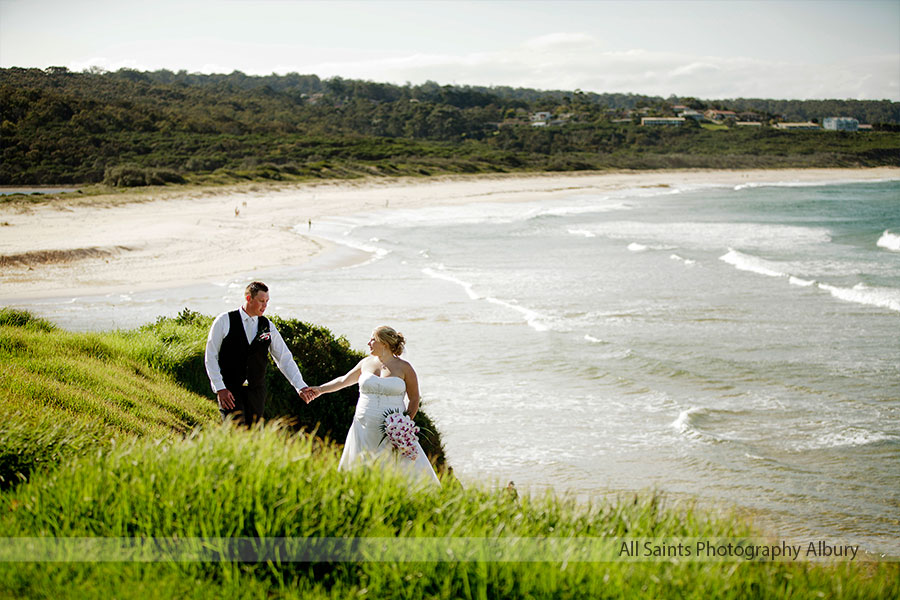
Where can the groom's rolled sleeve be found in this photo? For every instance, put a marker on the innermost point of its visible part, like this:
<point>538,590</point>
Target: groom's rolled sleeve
<point>217,333</point>
<point>283,358</point>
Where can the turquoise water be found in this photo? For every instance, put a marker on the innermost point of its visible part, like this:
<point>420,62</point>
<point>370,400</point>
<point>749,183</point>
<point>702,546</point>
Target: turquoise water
<point>740,345</point>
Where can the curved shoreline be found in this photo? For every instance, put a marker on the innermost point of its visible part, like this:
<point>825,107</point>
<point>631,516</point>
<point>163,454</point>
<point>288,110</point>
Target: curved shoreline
<point>167,237</point>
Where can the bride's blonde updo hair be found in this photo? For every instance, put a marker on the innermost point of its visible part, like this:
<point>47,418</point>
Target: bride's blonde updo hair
<point>391,338</point>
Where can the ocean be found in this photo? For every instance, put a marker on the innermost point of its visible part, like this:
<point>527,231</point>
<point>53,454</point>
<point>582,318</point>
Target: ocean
<point>735,345</point>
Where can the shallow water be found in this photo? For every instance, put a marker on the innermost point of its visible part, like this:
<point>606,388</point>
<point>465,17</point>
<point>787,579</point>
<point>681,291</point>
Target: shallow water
<point>740,345</point>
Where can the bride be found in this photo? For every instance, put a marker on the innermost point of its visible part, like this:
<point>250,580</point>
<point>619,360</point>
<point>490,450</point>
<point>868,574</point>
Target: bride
<point>384,379</point>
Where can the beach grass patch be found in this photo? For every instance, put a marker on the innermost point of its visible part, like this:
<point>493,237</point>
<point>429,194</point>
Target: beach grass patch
<point>269,482</point>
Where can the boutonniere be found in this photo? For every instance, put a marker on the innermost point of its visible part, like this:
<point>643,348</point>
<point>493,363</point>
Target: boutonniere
<point>264,337</point>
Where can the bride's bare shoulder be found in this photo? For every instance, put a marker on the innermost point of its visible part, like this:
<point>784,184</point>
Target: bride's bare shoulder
<point>407,368</point>
<point>366,365</point>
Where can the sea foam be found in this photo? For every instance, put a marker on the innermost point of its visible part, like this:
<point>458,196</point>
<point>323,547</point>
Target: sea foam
<point>794,184</point>
<point>710,236</point>
<point>686,422</point>
<point>800,282</point>
<point>440,274</point>
<point>535,320</point>
<point>594,207</point>
<point>851,436</point>
<point>686,261</point>
<point>889,241</point>
<point>862,294</point>
<point>754,264</point>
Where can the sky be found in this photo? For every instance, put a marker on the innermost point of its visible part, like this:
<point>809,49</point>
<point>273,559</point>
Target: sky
<point>710,49</point>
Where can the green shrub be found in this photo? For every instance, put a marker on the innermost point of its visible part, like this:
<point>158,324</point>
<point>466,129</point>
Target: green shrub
<point>136,176</point>
<point>19,318</point>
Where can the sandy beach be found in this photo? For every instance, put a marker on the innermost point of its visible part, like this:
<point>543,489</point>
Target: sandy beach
<point>155,239</point>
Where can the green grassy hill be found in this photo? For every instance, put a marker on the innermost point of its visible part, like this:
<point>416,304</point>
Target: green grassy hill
<point>130,128</point>
<point>99,438</point>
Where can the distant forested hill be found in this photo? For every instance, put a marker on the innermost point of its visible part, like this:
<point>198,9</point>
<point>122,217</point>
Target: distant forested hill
<point>136,128</point>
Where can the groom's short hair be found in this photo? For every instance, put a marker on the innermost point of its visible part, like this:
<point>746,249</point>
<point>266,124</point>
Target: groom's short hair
<point>256,287</point>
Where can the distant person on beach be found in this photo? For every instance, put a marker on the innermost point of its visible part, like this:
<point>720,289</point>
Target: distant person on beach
<point>385,381</point>
<point>237,350</point>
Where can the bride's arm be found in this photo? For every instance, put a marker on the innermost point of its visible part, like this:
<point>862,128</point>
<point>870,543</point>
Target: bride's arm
<point>412,392</point>
<point>339,383</point>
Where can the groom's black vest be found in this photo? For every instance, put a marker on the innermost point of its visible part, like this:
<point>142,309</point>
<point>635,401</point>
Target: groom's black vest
<point>240,361</point>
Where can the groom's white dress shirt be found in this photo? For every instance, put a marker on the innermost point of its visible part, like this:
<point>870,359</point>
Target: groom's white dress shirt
<point>277,349</point>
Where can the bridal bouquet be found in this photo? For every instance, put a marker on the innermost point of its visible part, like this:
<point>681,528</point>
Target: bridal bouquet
<point>402,432</point>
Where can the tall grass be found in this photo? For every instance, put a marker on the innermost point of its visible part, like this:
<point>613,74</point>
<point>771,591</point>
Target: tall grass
<point>98,438</point>
<point>90,378</point>
<point>269,483</point>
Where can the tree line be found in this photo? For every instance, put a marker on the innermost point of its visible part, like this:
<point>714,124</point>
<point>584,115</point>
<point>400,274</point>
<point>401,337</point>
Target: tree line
<point>135,128</point>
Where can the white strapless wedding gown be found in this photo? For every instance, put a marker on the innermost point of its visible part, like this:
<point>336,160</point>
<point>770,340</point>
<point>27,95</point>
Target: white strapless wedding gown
<point>364,440</point>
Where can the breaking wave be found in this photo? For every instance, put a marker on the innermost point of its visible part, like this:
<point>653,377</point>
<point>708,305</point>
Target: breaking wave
<point>535,320</point>
<point>746,262</point>
<point>862,294</point>
<point>889,241</point>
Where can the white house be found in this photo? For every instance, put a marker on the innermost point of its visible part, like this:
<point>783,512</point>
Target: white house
<point>797,125</point>
<point>691,114</point>
<point>676,121</point>
<point>841,124</point>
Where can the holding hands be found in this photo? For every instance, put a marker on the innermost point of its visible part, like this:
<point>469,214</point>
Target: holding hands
<point>310,393</point>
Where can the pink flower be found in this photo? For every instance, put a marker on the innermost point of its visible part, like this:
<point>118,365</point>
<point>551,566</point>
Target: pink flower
<point>401,432</point>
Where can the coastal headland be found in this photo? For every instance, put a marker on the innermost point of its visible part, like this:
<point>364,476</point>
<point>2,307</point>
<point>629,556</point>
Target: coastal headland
<point>162,237</point>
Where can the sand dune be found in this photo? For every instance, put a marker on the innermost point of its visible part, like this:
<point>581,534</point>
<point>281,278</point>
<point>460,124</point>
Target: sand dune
<point>46,257</point>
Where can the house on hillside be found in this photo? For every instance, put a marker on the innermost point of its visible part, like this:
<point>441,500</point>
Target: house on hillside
<point>691,114</point>
<point>545,118</point>
<point>794,126</point>
<point>313,99</point>
<point>674,121</point>
<point>540,118</point>
<point>841,124</point>
<point>720,115</point>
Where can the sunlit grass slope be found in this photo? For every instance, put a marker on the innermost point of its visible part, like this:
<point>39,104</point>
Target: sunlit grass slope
<point>98,439</point>
<point>63,393</point>
<point>269,483</point>
<point>93,378</point>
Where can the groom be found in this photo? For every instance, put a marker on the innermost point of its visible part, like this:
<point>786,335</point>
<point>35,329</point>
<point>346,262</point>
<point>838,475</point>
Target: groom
<point>237,352</point>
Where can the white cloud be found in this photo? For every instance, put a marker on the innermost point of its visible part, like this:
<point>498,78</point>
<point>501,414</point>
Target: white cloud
<point>576,60</point>
<point>569,61</point>
<point>556,40</point>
